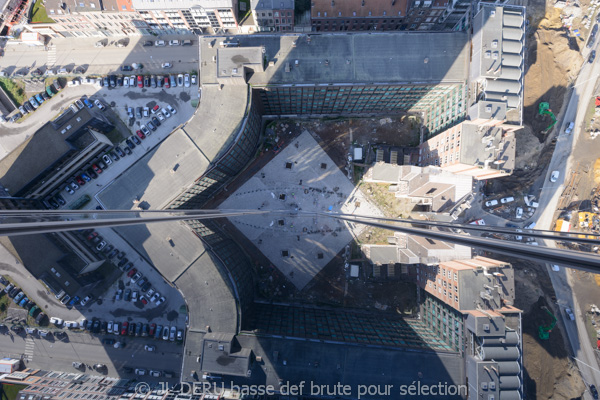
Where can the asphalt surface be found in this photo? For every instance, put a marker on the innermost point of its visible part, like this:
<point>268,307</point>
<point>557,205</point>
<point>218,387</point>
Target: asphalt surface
<point>81,52</point>
<point>58,355</point>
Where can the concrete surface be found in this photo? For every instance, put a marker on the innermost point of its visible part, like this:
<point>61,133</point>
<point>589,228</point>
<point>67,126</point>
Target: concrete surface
<point>311,183</point>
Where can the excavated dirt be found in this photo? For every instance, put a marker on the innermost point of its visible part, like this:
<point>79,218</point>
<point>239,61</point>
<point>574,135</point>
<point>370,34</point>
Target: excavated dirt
<point>549,372</point>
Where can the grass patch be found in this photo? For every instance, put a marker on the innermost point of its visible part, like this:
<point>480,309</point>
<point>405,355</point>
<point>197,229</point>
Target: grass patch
<point>11,391</point>
<point>4,302</point>
<point>15,90</point>
<point>115,136</point>
<point>39,15</point>
<point>242,14</point>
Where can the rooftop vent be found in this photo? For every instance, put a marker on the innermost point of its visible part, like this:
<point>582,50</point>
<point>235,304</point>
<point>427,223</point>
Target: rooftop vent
<point>488,54</point>
<point>495,55</point>
<point>488,108</point>
<point>221,347</point>
<point>493,13</point>
<point>323,166</point>
<point>426,60</point>
<point>486,327</point>
<point>282,196</point>
<point>494,44</point>
<point>285,253</point>
<point>288,165</point>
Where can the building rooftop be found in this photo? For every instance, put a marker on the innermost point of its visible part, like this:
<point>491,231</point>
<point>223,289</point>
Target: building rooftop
<point>498,53</point>
<point>301,177</point>
<point>439,188</point>
<point>179,4</point>
<point>160,175</point>
<point>65,7</point>
<point>358,9</point>
<point>387,58</point>
<point>492,147</point>
<point>221,354</point>
<point>259,5</point>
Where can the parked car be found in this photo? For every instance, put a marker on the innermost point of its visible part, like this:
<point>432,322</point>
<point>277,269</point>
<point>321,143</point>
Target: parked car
<point>56,321</point>
<point>136,277</point>
<point>519,213</point>
<point>136,140</point>
<point>165,334</point>
<point>186,80</point>
<point>141,282</point>
<point>570,128</point>
<point>554,176</point>
<point>173,80</point>
<point>124,328</point>
<point>130,144</point>
<point>127,295</point>
<point>145,129</point>
<point>132,273</point>
<point>171,109</point>
<point>126,68</point>
<point>570,314</point>
<point>194,79</point>
<point>69,190</point>
<point>140,134</point>
<point>160,43</point>
<point>91,173</point>
<point>85,300</point>
<point>119,151</point>
<point>507,200</point>
<point>491,203</point>
<point>172,334</point>
<point>155,121</point>
<point>99,104</point>
<point>140,81</point>
<point>160,301</point>
<point>174,42</point>
<point>140,371</point>
<point>180,80</point>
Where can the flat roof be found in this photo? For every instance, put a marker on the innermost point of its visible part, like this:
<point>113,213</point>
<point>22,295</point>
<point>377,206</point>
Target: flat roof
<point>170,246</point>
<point>221,354</point>
<point>500,146</point>
<point>358,9</point>
<point>387,58</point>
<point>300,246</point>
<point>332,364</point>
<point>208,292</point>
<point>158,177</point>
<point>216,121</point>
<point>181,4</point>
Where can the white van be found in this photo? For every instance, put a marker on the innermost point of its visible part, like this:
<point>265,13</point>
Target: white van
<point>507,200</point>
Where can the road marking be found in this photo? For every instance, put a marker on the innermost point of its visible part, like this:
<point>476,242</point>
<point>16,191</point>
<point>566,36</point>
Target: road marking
<point>51,55</point>
<point>29,347</point>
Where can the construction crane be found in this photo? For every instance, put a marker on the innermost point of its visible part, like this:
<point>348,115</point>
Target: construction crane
<point>544,331</point>
<point>544,109</point>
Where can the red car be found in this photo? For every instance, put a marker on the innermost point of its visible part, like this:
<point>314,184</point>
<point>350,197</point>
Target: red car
<point>143,300</point>
<point>97,169</point>
<point>155,109</point>
<point>80,180</point>
<point>132,272</point>
<point>140,134</point>
<point>124,328</point>
<point>167,83</point>
<point>92,235</point>
<point>140,81</point>
<point>152,330</point>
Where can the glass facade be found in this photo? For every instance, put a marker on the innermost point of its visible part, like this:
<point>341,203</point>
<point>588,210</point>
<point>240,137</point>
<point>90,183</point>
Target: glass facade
<point>442,104</point>
<point>444,321</point>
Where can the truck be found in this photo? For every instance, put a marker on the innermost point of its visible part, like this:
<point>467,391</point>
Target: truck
<point>9,365</point>
<point>562,226</point>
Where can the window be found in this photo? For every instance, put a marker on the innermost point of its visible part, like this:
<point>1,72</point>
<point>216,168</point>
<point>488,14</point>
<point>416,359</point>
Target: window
<point>276,14</point>
<point>455,276</point>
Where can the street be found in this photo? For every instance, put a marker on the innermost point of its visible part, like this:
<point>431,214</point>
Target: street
<point>76,52</point>
<point>57,355</point>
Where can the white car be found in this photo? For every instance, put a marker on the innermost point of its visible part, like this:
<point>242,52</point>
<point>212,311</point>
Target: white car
<point>171,109</point>
<point>149,348</point>
<point>69,190</point>
<point>72,324</point>
<point>99,104</point>
<point>150,292</point>
<point>491,203</point>
<point>174,42</point>
<point>101,245</point>
<point>73,185</point>
<point>166,65</point>
<point>194,79</point>
<point>160,117</point>
<point>134,296</point>
<point>132,81</point>
<point>165,112</point>
<point>507,200</point>
<point>531,225</point>
<point>155,374</point>
<point>554,176</point>
<point>140,371</point>
<point>160,301</point>
<point>555,268</point>
<point>160,43</point>
<point>570,314</point>
<point>56,321</point>
<point>570,128</point>
<point>107,160</point>
<point>136,277</point>
<point>109,328</point>
<point>86,300</point>
<point>519,213</point>
<point>155,297</point>
<point>186,80</point>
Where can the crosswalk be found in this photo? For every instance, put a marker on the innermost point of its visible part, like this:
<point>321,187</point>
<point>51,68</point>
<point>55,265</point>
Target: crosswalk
<point>51,55</point>
<point>29,347</point>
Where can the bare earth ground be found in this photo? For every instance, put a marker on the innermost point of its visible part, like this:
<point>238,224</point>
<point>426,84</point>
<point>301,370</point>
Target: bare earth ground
<point>549,372</point>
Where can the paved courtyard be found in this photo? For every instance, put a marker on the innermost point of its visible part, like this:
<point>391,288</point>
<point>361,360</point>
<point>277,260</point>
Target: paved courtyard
<point>301,178</point>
